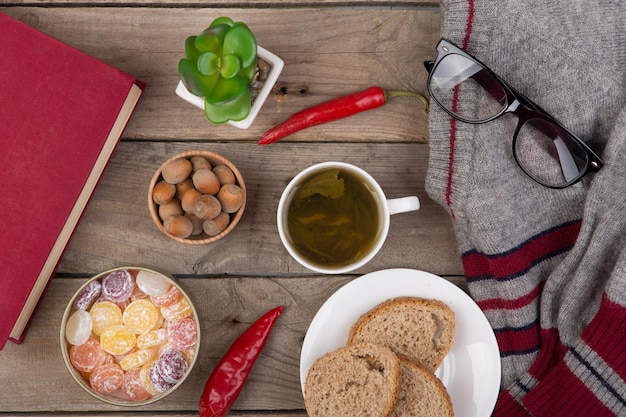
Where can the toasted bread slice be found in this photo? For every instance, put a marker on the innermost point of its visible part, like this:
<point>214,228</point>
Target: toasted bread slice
<point>358,380</point>
<point>420,329</point>
<point>422,393</point>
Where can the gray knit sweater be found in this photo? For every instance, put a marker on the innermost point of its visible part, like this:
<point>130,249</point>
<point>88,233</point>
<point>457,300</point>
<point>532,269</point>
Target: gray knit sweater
<point>548,267</point>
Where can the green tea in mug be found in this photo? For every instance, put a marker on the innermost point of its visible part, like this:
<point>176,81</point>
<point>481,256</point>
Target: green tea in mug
<point>333,218</point>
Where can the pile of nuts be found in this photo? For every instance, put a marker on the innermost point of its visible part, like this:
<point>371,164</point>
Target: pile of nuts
<point>194,197</point>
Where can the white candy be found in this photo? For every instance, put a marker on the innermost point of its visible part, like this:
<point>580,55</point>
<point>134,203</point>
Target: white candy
<point>152,284</point>
<point>78,327</point>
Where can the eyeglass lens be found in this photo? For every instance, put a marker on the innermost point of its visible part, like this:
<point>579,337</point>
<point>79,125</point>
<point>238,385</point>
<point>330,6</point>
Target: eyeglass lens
<point>544,150</point>
<point>549,153</point>
<point>456,74</point>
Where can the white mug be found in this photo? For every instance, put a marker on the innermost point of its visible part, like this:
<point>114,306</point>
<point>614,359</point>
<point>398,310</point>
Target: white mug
<point>384,208</point>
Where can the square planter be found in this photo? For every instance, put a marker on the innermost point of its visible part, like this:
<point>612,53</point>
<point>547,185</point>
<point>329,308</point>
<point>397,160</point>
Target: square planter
<point>276,66</point>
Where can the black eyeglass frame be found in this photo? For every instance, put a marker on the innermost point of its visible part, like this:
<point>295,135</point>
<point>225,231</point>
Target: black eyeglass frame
<point>517,104</point>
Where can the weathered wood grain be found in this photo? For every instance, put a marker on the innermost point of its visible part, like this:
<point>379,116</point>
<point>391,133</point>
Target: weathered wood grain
<point>330,48</point>
<point>230,3</point>
<point>39,381</point>
<point>327,52</point>
<point>117,229</point>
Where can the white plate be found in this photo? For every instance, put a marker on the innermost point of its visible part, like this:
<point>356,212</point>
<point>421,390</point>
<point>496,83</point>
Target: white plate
<point>470,372</point>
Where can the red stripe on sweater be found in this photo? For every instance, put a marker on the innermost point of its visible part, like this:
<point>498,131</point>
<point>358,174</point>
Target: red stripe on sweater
<point>468,31</point>
<point>451,162</point>
<point>514,304</point>
<point>606,335</point>
<point>520,259</point>
<point>470,23</point>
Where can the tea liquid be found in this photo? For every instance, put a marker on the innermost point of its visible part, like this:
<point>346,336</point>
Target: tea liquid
<point>333,218</point>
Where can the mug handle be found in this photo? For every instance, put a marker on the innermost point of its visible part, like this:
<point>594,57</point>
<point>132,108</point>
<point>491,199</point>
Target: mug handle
<point>403,204</point>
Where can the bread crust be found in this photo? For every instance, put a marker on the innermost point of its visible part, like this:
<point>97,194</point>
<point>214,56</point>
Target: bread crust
<point>389,324</point>
<point>429,398</point>
<point>358,380</point>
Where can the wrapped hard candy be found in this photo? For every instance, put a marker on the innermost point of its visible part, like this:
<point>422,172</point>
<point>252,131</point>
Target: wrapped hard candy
<point>183,334</point>
<point>107,378</point>
<point>78,327</point>
<point>88,295</point>
<point>152,284</point>
<point>141,316</point>
<point>88,356</point>
<point>118,286</point>
<point>172,365</point>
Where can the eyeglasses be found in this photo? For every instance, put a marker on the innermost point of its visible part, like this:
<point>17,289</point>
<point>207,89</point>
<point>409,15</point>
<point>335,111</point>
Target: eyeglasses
<point>470,92</point>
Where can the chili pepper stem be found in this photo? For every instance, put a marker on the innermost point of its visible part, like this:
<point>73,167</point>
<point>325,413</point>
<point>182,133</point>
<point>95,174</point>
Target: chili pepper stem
<point>402,93</point>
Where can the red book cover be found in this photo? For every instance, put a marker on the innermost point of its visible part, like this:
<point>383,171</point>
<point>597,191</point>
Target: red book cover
<point>62,113</point>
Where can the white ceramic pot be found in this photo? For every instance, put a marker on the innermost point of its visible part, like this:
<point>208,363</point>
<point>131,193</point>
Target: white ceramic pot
<point>276,66</point>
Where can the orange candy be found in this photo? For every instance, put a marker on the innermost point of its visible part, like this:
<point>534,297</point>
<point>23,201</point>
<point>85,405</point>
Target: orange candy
<point>107,378</point>
<point>183,334</point>
<point>167,299</point>
<point>177,311</point>
<point>132,387</point>
<point>105,314</point>
<point>141,316</point>
<point>88,356</point>
<point>118,340</point>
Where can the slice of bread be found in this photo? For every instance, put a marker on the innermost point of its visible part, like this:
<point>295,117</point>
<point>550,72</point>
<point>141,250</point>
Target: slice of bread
<point>420,329</point>
<point>422,393</point>
<point>359,380</point>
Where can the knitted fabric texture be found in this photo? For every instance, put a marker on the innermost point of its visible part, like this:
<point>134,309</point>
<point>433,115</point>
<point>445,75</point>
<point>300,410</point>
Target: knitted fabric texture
<point>547,267</point>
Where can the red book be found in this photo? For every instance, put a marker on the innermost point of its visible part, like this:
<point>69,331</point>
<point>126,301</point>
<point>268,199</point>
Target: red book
<point>62,113</point>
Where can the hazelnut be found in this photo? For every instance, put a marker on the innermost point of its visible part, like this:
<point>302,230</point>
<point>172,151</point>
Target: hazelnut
<point>206,206</point>
<point>216,225</point>
<point>171,208</point>
<point>178,226</point>
<point>196,223</point>
<point>199,162</point>
<point>176,171</point>
<point>224,174</point>
<point>182,187</point>
<point>163,192</point>
<point>189,199</point>
<point>206,181</point>
<point>230,197</point>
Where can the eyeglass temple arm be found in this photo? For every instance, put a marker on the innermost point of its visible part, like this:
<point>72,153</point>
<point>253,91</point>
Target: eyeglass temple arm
<point>429,65</point>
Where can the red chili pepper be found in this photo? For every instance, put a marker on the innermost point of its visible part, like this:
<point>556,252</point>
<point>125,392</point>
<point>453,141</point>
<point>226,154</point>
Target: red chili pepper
<point>230,374</point>
<point>338,108</point>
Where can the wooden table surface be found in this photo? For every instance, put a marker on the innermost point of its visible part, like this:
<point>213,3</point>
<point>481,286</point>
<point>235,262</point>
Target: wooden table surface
<point>330,48</point>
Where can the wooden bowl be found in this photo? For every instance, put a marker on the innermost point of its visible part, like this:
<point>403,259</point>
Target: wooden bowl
<point>202,238</point>
<point>177,343</point>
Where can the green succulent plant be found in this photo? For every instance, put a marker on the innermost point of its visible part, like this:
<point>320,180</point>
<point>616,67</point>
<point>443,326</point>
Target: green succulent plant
<point>220,64</point>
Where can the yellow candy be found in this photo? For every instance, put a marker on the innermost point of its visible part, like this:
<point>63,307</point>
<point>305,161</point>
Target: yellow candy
<point>141,316</point>
<point>151,339</point>
<point>118,340</point>
<point>138,358</point>
<point>105,314</point>
<point>177,311</point>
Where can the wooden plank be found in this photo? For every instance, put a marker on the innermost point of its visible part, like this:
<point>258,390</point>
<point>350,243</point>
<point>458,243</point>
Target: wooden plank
<point>231,3</point>
<point>330,47</point>
<point>226,307</point>
<point>327,52</point>
<point>117,229</point>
